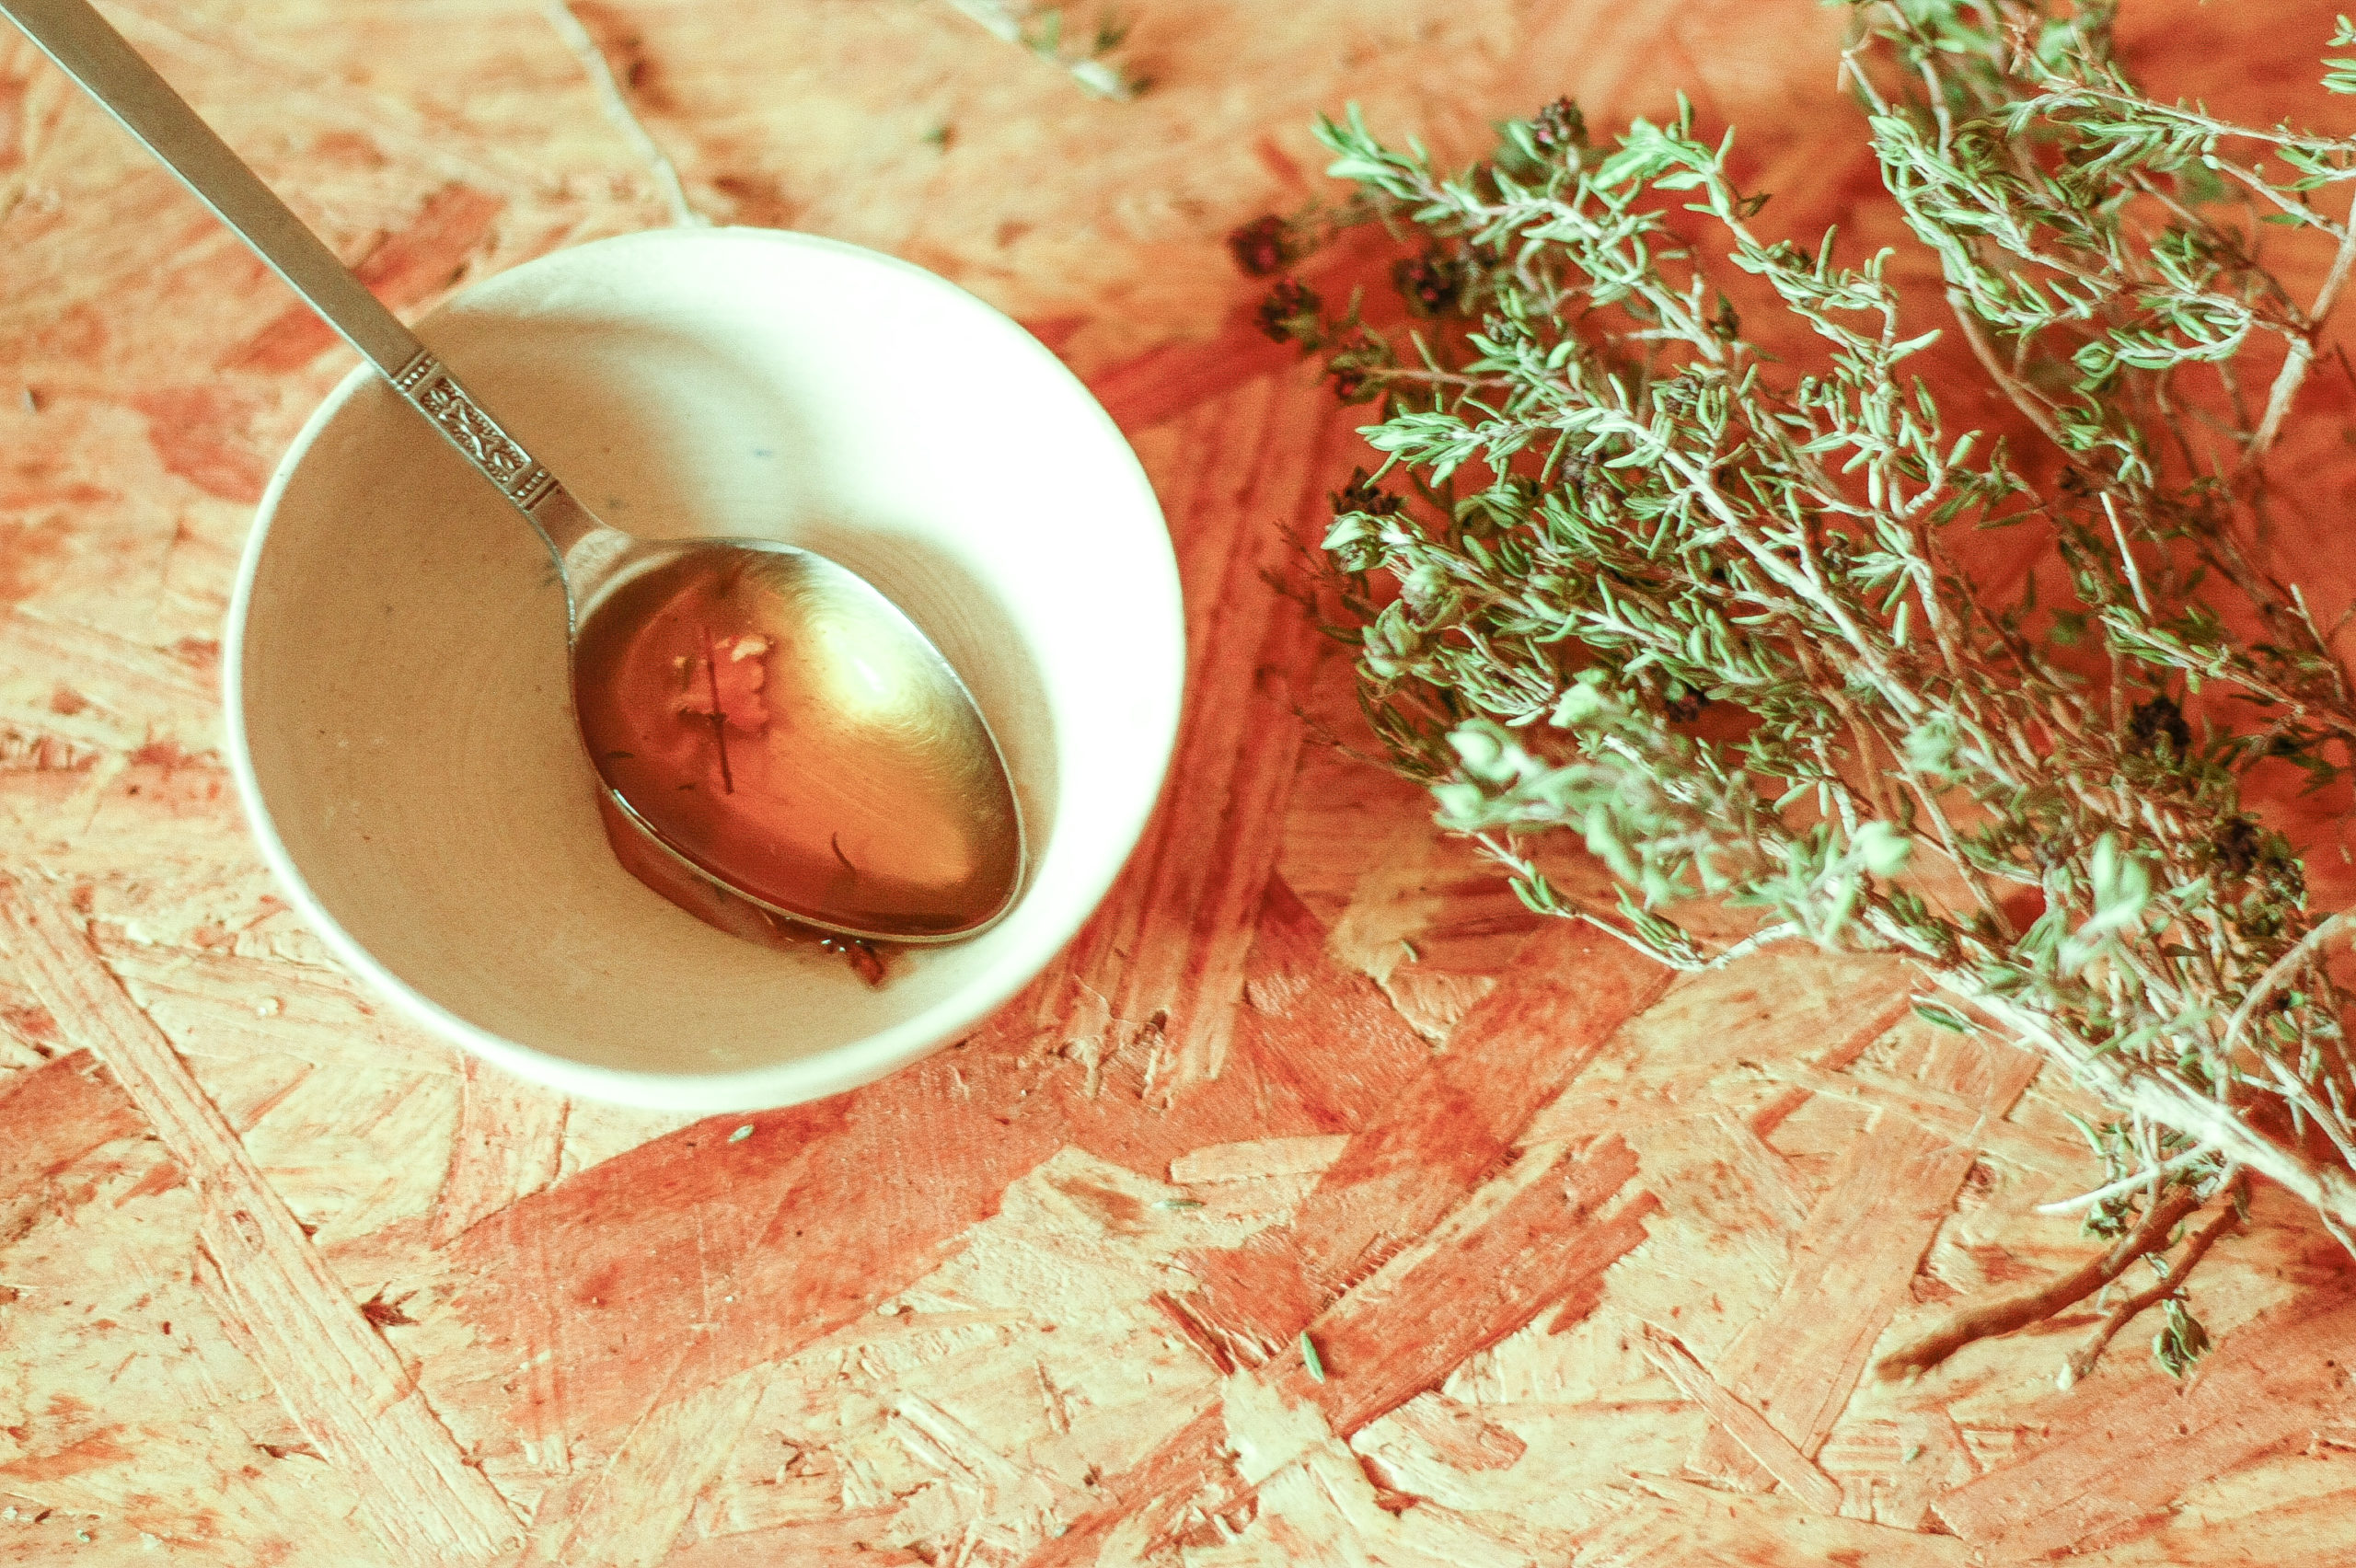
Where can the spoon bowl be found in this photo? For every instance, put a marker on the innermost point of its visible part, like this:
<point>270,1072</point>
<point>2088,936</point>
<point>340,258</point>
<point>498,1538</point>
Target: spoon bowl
<point>779,728</point>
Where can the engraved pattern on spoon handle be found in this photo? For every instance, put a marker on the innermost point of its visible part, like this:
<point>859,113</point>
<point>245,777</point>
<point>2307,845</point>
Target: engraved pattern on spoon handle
<point>436,393</point>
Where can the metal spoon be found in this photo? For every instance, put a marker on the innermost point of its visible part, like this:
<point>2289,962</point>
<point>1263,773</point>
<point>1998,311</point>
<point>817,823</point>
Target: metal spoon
<point>759,713</point>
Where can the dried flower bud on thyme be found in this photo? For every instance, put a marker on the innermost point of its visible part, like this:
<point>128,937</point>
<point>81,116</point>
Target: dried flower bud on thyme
<point>1625,508</point>
<point>1361,496</point>
<point>1558,127</point>
<point>1263,248</point>
<point>2160,718</point>
<point>1289,312</point>
<point>1428,283</point>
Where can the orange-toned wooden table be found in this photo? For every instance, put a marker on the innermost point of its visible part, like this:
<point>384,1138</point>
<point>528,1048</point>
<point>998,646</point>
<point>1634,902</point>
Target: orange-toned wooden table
<point>1594,1265</point>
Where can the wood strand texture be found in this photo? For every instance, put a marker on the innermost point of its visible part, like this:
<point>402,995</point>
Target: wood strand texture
<point>340,1379</point>
<point>1319,1204</point>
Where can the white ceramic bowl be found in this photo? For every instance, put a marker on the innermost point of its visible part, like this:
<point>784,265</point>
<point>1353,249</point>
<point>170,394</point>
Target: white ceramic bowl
<point>396,658</point>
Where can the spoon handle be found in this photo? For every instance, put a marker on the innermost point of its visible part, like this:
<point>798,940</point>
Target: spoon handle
<point>89,49</point>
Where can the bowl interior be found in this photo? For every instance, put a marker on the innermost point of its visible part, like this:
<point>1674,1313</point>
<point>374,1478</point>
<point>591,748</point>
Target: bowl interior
<point>399,695</point>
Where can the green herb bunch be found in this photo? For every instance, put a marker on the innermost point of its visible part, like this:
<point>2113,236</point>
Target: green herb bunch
<point>1622,574</point>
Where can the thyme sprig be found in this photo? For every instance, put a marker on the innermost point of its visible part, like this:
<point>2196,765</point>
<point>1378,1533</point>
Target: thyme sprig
<point>1089,56</point>
<point>1624,573</point>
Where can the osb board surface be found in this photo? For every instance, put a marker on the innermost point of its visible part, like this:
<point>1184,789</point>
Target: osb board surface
<point>1594,1263</point>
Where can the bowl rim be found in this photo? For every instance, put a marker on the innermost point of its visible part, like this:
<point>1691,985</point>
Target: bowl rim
<point>775,1085</point>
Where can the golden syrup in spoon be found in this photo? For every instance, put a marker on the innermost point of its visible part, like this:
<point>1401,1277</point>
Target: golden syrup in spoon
<point>779,725</point>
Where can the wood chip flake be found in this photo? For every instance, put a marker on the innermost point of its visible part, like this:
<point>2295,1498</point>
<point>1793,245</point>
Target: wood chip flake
<point>1457,1435</point>
<point>340,1380</point>
<point>1774,1452</point>
<point>1200,875</point>
<point>1852,1261</point>
<point>509,1144</point>
<point>2129,1457</point>
<point>631,1511</point>
<point>1258,1159</point>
